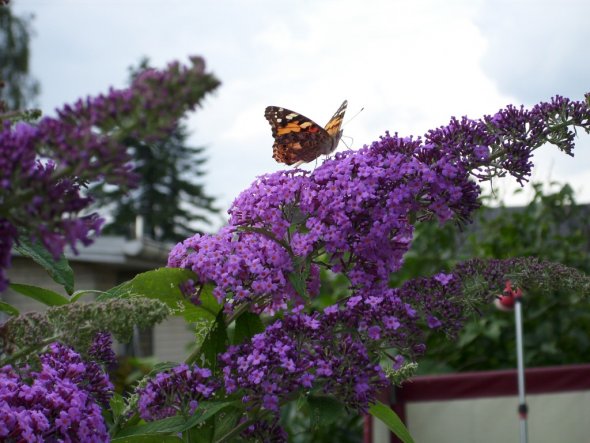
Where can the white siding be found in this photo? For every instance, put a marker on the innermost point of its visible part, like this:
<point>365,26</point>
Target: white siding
<point>171,339</point>
<point>557,417</point>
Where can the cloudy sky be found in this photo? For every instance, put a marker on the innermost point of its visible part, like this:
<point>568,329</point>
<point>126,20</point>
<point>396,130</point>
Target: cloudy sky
<point>410,64</point>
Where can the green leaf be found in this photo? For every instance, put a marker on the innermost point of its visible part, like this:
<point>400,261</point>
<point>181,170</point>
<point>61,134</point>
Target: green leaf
<point>117,405</point>
<point>299,276</point>
<point>59,270</point>
<point>391,420</point>
<point>208,409</point>
<point>298,283</point>
<point>79,294</point>
<point>324,410</point>
<point>247,325</point>
<point>163,284</point>
<point>215,343</point>
<point>165,426</point>
<point>177,424</point>
<point>202,434</point>
<point>226,420</point>
<point>203,427</point>
<point>8,308</point>
<point>148,439</point>
<point>42,295</point>
<point>163,366</point>
<point>469,334</point>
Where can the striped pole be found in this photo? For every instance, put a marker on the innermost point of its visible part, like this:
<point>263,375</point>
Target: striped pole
<point>512,299</point>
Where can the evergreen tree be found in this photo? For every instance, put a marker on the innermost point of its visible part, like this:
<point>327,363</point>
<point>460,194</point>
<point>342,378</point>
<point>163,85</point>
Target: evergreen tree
<point>169,199</point>
<point>17,88</point>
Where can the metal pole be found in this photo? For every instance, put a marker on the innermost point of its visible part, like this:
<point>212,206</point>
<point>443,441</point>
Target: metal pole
<point>522,406</point>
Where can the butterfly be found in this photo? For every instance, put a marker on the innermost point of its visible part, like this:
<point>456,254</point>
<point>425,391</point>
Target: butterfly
<point>300,140</point>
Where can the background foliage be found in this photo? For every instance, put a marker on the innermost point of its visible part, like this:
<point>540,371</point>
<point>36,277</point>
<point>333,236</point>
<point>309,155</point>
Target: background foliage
<point>557,328</point>
<point>20,89</point>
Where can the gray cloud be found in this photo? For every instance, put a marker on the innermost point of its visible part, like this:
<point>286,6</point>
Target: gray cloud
<point>536,49</point>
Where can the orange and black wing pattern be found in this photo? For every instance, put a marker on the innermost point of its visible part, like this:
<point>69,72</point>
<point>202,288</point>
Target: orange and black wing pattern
<point>297,139</point>
<point>335,123</point>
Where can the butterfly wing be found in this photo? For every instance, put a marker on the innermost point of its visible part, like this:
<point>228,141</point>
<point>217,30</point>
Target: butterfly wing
<point>335,123</point>
<point>297,138</point>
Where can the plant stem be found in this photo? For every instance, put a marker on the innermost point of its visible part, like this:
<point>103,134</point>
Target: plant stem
<point>29,350</point>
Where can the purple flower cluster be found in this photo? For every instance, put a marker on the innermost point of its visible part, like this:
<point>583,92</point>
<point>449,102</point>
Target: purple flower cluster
<point>265,431</point>
<point>357,208</point>
<point>44,167</point>
<point>504,142</point>
<point>250,266</point>
<point>101,349</point>
<point>440,298</point>
<point>65,363</point>
<point>340,348</point>
<point>177,391</point>
<point>338,351</point>
<point>527,273</point>
<point>156,100</point>
<point>58,403</point>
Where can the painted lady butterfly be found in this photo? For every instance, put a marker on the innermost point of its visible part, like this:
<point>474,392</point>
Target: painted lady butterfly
<point>298,139</point>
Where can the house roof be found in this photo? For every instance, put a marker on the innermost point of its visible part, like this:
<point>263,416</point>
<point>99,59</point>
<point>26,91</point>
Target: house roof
<point>137,254</point>
<point>116,250</point>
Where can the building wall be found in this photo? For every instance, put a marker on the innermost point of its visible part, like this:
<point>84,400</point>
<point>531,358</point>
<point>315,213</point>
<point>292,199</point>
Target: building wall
<point>172,339</point>
<point>25,271</point>
<point>552,418</point>
<point>482,407</point>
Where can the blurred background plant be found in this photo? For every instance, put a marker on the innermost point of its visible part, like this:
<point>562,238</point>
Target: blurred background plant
<point>557,326</point>
<point>20,89</point>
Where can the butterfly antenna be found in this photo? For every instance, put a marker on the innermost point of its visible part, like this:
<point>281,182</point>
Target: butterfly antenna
<point>353,117</point>
<point>346,144</point>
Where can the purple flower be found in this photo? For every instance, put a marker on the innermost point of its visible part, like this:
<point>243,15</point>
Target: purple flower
<point>391,322</point>
<point>443,279</point>
<point>68,364</point>
<point>481,152</point>
<point>305,356</point>
<point>177,391</point>
<point>270,402</point>
<point>248,266</point>
<point>101,349</point>
<point>374,332</point>
<point>433,322</point>
<point>265,431</point>
<point>58,403</point>
<point>399,360</point>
